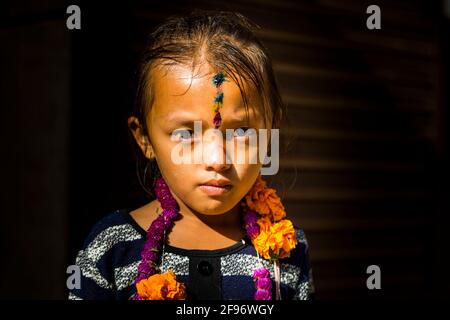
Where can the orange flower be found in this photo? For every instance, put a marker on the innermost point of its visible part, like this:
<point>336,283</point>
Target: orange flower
<point>275,240</point>
<point>161,286</point>
<point>265,201</point>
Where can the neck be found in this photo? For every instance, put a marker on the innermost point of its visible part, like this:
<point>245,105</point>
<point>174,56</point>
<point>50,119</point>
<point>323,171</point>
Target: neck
<point>198,230</point>
<point>229,219</point>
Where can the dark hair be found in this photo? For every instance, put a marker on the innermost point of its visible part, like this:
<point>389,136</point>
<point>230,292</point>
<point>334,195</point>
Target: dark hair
<point>228,43</point>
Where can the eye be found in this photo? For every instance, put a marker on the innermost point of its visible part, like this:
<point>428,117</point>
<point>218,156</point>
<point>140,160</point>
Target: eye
<point>182,135</point>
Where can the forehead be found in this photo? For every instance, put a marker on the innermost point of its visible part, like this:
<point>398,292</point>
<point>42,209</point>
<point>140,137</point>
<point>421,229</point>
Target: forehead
<point>178,88</point>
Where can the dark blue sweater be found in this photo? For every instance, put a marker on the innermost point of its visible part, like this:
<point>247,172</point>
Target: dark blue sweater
<point>111,253</point>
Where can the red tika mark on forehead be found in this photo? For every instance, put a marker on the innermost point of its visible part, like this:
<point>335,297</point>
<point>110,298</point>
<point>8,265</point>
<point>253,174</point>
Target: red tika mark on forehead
<point>217,120</point>
<point>217,81</point>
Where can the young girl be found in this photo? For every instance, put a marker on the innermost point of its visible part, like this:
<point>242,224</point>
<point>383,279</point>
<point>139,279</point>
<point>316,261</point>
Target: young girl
<point>215,229</point>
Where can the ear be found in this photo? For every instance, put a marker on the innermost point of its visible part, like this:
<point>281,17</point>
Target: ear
<point>141,138</point>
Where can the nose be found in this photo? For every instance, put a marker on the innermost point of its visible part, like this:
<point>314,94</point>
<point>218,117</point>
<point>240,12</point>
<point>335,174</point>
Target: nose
<point>215,155</point>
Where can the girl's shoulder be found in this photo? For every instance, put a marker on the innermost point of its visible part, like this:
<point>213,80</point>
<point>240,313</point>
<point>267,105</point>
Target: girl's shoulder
<point>300,254</point>
<point>116,226</point>
<point>302,242</point>
<point>109,255</point>
<point>301,237</point>
<point>298,266</point>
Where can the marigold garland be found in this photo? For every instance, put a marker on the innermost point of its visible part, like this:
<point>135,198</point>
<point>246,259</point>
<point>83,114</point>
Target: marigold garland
<point>275,240</point>
<point>265,201</point>
<point>162,286</point>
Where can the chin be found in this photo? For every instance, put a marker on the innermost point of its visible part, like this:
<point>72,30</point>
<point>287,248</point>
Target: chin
<point>215,207</point>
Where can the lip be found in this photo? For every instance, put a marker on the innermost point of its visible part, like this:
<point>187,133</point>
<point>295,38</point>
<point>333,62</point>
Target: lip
<point>217,183</point>
<point>214,190</point>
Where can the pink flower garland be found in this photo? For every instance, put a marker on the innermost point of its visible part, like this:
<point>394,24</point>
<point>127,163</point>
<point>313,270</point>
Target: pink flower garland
<point>261,276</point>
<point>151,253</point>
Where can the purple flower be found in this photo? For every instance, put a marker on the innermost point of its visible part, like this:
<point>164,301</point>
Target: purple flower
<point>170,215</point>
<point>261,273</point>
<point>157,226</point>
<point>153,255</point>
<point>264,283</point>
<point>251,225</point>
<point>155,234</point>
<point>250,216</point>
<point>263,295</point>
<point>137,297</point>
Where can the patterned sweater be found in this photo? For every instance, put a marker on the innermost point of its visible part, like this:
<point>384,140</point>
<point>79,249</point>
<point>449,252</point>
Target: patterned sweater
<point>110,256</point>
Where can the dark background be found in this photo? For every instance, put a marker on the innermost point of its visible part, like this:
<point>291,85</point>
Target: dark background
<point>366,175</point>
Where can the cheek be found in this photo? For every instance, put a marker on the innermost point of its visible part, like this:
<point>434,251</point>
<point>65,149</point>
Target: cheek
<point>180,178</point>
<point>247,174</point>
<point>170,170</point>
<point>245,171</point>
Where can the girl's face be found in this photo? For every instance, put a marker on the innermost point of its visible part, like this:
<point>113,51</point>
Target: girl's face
<point>181,99</point>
